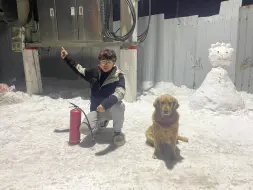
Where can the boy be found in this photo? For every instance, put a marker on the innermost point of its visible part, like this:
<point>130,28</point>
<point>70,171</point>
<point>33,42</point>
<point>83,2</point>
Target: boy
<point>107,92</point>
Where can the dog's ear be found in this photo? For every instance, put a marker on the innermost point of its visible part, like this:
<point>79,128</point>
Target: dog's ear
<point>176,104</point>
<point>156,103</point>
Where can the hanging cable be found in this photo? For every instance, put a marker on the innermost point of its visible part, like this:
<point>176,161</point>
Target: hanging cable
<point>110,34</point>
<point>144,35</point>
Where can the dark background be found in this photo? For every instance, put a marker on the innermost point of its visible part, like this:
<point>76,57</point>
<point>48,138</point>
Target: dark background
<point>176,8</point>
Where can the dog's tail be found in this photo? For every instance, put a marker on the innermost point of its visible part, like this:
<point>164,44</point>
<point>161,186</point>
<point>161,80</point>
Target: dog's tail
<point>183,139</point>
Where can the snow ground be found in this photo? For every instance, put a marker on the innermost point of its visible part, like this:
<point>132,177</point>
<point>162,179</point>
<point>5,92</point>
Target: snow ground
<point>219,154</point>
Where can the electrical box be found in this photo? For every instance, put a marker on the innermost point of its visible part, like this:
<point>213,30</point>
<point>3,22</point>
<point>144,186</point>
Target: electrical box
<point>47,21</point>
<point>66,15</point>
<point>90,22</point>
<point>72,20</point>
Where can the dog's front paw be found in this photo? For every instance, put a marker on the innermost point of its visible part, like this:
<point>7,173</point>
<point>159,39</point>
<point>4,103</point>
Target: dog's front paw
<point>176,156</point>
<point>154,156</point>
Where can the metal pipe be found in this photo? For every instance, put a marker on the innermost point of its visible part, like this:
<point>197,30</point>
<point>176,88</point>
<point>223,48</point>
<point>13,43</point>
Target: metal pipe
<point>23,9</point>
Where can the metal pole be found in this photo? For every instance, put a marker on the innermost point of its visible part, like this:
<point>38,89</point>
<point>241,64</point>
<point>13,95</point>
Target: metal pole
<point>128,57</point>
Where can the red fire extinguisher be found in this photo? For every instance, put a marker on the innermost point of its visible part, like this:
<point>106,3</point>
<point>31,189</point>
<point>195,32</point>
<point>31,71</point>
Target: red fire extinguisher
<point>75,122</point>
<point>74,130</point>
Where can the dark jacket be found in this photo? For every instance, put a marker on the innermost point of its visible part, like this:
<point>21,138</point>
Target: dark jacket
<point>107,88</point>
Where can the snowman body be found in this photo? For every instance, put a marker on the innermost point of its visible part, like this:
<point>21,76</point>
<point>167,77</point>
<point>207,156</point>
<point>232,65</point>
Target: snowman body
<point>217,92</point>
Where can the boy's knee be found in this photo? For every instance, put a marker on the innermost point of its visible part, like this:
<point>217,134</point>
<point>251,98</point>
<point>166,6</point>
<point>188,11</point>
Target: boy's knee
<point>84,129</point>
<point>118,108</point>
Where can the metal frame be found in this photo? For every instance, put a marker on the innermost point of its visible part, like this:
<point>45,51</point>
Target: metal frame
<point>125,45</point>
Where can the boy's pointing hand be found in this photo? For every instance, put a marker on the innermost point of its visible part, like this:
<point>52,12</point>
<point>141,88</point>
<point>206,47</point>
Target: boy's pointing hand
<point>64,53</point>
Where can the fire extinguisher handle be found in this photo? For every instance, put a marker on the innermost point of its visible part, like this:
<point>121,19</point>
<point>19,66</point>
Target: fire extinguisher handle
<point>75,106</point>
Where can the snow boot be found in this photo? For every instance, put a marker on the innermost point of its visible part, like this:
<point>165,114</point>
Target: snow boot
<point>118,138</point>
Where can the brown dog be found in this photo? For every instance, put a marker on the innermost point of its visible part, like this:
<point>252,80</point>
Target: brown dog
<point>164,129</point>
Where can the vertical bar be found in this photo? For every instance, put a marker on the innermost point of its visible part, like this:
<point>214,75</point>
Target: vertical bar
<point>128,57</point>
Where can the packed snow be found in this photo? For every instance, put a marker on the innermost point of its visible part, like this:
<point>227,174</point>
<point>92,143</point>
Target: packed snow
<point>217,92</point>
<point>220,54</point>
<point>219,154</point>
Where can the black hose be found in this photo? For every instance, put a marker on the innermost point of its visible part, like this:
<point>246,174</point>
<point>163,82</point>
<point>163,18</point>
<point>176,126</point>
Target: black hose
<point>144,35</point>
<point>110,34</point>
<point>93,138</point>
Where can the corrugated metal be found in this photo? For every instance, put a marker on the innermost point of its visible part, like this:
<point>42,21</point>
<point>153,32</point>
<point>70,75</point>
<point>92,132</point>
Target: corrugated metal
<point>176,50</point>
<point>185,45</point>
<point>244,78</point>
<point>148,52</point>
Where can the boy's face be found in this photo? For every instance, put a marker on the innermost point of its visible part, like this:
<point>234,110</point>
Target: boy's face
<point>106,65</point>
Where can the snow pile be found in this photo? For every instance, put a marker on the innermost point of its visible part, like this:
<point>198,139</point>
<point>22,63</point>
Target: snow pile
<point>217,93</point>
<point>10,97</point>
<point>33,156</point>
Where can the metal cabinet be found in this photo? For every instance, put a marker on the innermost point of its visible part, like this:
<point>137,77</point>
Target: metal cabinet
<point>90,23</point>
<point>47,20</point>
<point>66,14</point>
<point>72,20</point>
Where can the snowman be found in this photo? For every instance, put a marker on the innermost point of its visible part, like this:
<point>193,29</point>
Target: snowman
<point>217,92</point>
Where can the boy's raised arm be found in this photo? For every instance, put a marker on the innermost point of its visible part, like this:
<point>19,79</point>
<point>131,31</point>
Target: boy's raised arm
<point>65,57</point>
<point>87,74</point>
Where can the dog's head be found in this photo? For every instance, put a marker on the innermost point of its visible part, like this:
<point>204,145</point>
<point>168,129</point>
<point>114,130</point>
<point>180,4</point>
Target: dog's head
<point>165,104</point>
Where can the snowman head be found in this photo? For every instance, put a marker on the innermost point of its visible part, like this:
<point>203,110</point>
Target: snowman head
<point>220,55</point>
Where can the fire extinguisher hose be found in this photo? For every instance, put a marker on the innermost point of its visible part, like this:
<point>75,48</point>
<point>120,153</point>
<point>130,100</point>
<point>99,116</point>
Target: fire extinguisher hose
<point>89,126</point>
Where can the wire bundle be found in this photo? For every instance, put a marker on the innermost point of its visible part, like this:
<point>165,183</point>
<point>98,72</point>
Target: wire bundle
<point>144,35</point>
<point>112,35</point>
